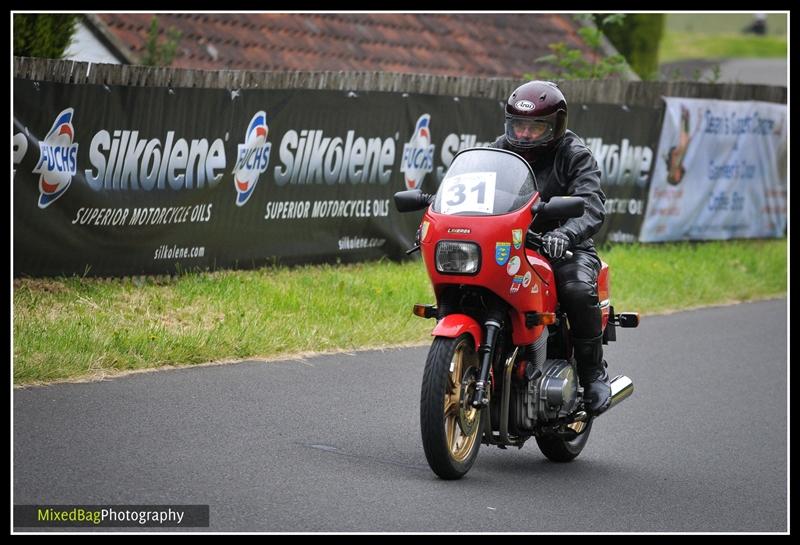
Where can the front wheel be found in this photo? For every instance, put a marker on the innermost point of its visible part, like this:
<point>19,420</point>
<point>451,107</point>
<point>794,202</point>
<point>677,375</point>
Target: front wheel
<point>559,449</point>
<point>451,427</point>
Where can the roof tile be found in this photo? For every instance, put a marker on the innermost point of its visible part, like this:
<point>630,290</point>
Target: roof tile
<point>486,44</point>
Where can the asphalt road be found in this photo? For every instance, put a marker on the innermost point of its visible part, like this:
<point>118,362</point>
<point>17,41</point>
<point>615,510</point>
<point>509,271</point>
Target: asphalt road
<point>332,443</point>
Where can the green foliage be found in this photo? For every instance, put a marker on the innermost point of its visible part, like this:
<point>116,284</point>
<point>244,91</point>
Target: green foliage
<point>697,75</point>
<point>571,63</point>
<point>678,46</point>
<point>160,54</point>
<point>43,35</point>
<point>637,38</point>
<point>716,73</point>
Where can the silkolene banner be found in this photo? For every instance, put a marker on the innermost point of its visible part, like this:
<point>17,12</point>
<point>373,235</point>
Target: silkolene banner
<point>116,180</point>
<point>720,172</point>
<point>622,140</point>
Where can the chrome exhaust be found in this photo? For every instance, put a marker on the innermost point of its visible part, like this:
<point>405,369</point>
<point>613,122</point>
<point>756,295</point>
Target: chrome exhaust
<point>621,389</point>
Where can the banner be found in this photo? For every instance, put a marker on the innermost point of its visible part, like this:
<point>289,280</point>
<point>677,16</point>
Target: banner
<point>116,180</point>
<point>119,180</point>
<point>720,172</point>
<point>622,140</point>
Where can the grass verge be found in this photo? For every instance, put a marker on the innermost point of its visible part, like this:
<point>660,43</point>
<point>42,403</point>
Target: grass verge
<point>678,46</point>
<point>68,328</point>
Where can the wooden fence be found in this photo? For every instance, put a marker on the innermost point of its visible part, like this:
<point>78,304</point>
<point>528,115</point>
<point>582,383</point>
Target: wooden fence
<point>611,91</point>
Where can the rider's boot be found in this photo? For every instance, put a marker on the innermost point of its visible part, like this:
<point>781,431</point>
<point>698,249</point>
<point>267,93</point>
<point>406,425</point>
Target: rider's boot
<point>592,374</point>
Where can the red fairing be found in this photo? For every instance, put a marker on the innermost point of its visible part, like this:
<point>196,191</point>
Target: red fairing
<point>521,277</point>
<point>454,325</point>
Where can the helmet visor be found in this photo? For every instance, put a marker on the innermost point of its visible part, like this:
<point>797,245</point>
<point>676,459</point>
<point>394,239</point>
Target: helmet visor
<point>527,132</point>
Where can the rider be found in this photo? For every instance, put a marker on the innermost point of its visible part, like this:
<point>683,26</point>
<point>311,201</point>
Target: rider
<point>536,129</point>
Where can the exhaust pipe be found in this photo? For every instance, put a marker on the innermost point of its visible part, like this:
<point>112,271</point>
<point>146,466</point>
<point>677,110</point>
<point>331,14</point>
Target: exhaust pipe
<point>621,389</point>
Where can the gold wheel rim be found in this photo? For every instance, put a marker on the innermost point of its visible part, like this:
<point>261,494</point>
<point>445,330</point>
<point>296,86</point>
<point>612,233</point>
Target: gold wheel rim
<point>577,427</point>
<point>458,444</point>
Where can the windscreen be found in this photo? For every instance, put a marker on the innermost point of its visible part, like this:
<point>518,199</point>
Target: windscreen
<point>485,182</point>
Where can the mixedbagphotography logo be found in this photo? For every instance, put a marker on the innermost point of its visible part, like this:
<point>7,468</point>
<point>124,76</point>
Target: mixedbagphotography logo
<point>418,154</point>
<point>253,158</point>
<point>111,516</point>
<point>58,159</point>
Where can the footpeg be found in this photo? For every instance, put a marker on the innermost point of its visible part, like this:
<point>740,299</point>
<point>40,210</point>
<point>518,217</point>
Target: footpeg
<point>625,319</point>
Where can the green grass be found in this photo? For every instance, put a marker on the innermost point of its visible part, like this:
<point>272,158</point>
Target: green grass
<point>73,327</point>
<point>678,46</point>
<point>673,276</point>
<point>718,36</point>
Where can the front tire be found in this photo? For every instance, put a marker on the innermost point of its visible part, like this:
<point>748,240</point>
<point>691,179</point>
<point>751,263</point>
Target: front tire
<point>451,428</point>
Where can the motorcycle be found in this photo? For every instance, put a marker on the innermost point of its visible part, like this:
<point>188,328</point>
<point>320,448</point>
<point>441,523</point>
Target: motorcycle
<point>500,369</point>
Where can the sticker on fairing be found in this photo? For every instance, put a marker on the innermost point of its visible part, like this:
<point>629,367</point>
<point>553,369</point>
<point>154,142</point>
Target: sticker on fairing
<point>424,233</point>
<point>513,265</point>
<point>516,283</point>
<point>502,251</point>
<point>516,236</point>
<point>469,192</point>
<point>526,281</point>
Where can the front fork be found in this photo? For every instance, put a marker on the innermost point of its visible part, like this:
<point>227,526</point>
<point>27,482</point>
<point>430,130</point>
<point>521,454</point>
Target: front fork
<point>492,325</point>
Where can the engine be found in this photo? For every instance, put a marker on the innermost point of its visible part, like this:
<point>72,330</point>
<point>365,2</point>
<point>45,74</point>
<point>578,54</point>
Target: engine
<point>556,394</point>
<point>546,397</point>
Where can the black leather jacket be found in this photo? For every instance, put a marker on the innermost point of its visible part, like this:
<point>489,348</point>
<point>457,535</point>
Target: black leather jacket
<point>568,170</point>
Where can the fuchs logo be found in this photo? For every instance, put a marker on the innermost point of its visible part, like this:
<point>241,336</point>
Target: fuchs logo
<point>525,105</point>
<point>253,158</point>
<point>418,154</point>
<point>58,159</point>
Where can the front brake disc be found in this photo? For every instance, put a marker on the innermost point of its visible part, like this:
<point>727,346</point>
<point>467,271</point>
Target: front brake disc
<point>467,414</point>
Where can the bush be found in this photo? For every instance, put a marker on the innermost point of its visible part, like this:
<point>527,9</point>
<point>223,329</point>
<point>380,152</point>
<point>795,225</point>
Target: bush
<point>570,62</point>
<point>45,36</point>
<point>637,38</point>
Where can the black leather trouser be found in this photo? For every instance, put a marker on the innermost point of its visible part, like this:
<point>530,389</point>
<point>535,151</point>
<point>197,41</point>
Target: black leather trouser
<point>576,282</point>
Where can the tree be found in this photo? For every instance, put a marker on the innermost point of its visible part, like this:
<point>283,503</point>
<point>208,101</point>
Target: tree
<point>638,39</point>
<point>570,62</point>
<point>43,35</point>
<point>160,54</point>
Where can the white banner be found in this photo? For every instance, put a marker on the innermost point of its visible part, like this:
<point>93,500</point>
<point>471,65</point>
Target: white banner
<point>720,172</point>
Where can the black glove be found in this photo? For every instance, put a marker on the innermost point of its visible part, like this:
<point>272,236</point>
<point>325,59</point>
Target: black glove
<point>555,243</point>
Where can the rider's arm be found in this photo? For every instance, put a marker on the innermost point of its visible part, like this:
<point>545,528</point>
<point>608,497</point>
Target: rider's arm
<point>579,166</point>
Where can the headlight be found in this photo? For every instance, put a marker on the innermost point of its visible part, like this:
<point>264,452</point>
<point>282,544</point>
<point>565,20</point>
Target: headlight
<point>454,257</point>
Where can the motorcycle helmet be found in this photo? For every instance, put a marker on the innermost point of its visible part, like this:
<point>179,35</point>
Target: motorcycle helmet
<point>536,116</point>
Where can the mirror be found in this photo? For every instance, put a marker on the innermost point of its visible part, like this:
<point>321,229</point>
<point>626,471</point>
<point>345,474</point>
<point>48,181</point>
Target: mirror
<point>559,207</point>
<point>411,200</point>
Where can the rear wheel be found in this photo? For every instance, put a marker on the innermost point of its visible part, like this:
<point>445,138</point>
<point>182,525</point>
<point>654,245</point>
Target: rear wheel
<point>450,425</point>
<point>562,449</point>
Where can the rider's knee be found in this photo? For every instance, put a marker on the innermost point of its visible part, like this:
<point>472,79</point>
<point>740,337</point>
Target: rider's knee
<point>578,294</point>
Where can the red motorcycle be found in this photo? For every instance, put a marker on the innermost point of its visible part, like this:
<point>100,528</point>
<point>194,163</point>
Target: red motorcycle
<point>500,369</point>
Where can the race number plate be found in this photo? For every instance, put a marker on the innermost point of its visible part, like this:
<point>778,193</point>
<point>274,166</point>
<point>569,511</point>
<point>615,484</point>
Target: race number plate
<point>470,192</point>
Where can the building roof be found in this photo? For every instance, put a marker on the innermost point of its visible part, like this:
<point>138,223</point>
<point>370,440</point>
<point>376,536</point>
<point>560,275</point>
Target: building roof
<point>480,44</point>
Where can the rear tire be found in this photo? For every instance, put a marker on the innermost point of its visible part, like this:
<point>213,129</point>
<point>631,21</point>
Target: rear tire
<point>451,429</point>
<point>558,449</point>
